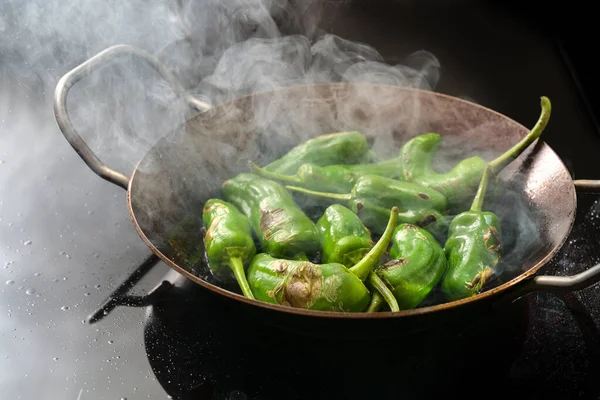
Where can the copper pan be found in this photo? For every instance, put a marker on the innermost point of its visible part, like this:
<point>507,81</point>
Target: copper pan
<point>163,187</point>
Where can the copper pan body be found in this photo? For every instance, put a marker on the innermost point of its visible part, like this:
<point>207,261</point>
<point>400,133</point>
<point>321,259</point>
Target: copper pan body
<point>187,167</point>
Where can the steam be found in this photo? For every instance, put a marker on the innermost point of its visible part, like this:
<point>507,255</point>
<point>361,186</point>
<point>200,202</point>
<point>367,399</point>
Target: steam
<point>221,50</point>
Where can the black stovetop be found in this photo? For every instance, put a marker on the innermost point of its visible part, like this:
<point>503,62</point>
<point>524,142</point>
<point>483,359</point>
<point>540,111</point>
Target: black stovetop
<point>67,244</point>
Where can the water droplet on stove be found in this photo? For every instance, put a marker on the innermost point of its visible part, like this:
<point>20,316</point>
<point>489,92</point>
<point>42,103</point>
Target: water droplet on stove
<point>37,274</point>
<point>237,395</point>
<point>55,358</point>
<point>65,278</point>
<point>30,291</point>
<point>64,308</point>
<point>27,243</point>
<point>10,282</point>
<point>98,286</point>
<point>87,294</point>
<point>123,398</point>
<point>110,342</point>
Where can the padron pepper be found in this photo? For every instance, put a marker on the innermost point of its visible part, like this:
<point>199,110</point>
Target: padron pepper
<point>344,238</point>
<point>473,248</point>
<point>372,197</point>
<point>338,178</point>
<point>282,228</point>
<point>417,265</point>
<point>228,242</point>
<point>323,287</point>
<point>460,183</point>
<point>332,148</point>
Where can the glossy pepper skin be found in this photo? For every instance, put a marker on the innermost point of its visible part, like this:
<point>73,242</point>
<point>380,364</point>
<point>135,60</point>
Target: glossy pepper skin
<point>417,265</point>
<point>334,178</point>
<point>228,241</point>
<point>332,148</point>
<point>282,228</point>
<point>460,183</point>
<point>322,287</point>
<point>473,248</point>
<point>372,197</point>
<point>344,238</point>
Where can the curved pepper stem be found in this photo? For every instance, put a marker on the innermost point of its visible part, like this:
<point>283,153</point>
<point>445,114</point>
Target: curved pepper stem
<point>376,302</point>
<point>383,291</point>
<point>238,271</point>
<point>273,175</point>
<point>364,267</point>
<point>326,195</point>
<point>506,158</point>
<point>478,200</point>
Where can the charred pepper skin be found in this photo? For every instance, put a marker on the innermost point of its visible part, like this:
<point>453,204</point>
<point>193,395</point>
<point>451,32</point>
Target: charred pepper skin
<point>228,241</point>
<point>473,248</point>
<point>322,287</point>
<point>334,178</point>
<point>417,265</point>
<point>460,183</point>
<point>373,196</point>
<point>344,238</point>
<point>332,148</point>
<point>282,228</point>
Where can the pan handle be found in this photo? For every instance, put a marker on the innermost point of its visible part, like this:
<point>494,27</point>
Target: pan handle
<point>96,62</point>
<point>547,283</point>
<point>587,185</point>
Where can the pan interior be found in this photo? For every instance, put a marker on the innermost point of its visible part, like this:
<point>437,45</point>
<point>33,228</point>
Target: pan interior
<point>188,166</point>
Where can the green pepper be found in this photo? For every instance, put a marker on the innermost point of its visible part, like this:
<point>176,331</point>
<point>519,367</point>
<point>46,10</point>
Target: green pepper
<point>332,148</point>
<point>334,178</point>
<point>473,248</point>
<point>417,265</point>
<point>344,238</point>
<point>460,183</point>
<point>228,242</point>
<point>372,197</point>
<point>324,287</point>
<point>282,228</point>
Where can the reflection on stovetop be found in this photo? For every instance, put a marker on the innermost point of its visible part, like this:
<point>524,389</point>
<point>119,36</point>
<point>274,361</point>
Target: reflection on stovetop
<point>542,346</point>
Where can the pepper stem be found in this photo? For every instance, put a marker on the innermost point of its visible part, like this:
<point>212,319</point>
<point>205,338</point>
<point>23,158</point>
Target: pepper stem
<point>363,268</point>
<point>337,196</point>
<point>376,302</point>
<point>480,195</point>
<point>272,175</point>
<point>384,291</point>
<point>506,158</point>
<point>238,270</point>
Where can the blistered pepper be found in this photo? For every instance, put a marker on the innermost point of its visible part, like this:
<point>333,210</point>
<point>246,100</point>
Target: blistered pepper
<point>372,197</point>
<point>282,228</point>
<point>324,287</point>
<point>473,248</point>
<point>332,148</point>
<point>334,178</point>
<point>460,183</point>
<point>228,242</point>
<point>344,238</point>
<point>417,265</point>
